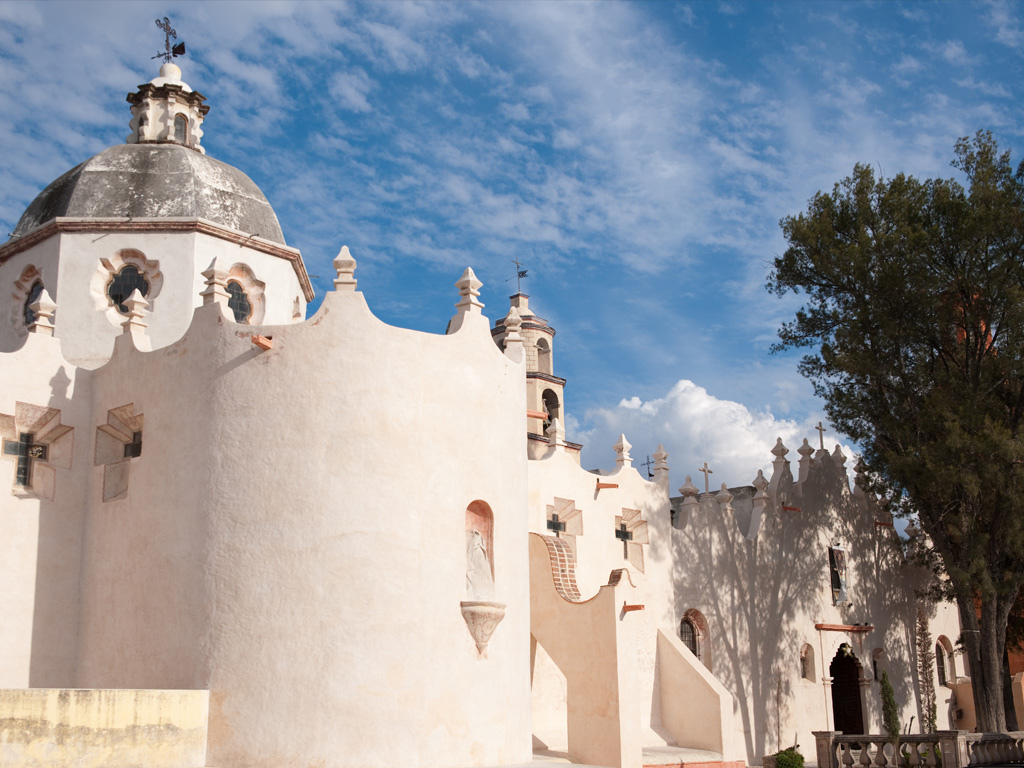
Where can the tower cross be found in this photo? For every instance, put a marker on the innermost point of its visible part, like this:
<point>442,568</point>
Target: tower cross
<point>520,274</point>
<point>706,471</point>
<point>821,435</point>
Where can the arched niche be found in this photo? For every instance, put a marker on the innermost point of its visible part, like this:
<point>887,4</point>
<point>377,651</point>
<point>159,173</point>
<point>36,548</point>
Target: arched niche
<point>479,551</point>
<point>807,668</point>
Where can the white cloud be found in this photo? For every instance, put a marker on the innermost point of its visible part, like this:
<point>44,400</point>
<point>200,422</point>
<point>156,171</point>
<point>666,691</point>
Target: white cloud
<point>695,426</point>
<point>1006,24</point>
<point>351,88</point>
<point>954,52</point>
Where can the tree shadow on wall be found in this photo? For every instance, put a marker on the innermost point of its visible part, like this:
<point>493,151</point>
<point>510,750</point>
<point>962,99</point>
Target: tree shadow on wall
<point>763,585</point>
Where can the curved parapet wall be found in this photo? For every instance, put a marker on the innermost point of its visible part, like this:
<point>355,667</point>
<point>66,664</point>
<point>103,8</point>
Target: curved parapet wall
<point>295,531</point>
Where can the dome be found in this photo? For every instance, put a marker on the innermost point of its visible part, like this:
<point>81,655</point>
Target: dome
<point>155,181</point>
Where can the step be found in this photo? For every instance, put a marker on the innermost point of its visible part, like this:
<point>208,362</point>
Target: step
<point>684,757</point>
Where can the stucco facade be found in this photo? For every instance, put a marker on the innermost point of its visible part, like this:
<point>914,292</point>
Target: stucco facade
<point>213,494</point>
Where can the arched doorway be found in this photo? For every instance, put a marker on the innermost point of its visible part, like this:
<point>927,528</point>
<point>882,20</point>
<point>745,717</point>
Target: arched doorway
<point>847,715</point>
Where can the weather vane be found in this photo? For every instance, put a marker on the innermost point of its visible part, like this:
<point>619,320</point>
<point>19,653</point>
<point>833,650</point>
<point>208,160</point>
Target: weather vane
<point>520,274</point>
<point>169,52</point>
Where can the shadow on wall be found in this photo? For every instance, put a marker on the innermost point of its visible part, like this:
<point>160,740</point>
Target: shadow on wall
<point>762,595</point>
<point>55,610</point>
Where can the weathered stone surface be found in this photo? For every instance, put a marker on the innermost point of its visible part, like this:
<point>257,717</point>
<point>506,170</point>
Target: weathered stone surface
<point>155,180</point>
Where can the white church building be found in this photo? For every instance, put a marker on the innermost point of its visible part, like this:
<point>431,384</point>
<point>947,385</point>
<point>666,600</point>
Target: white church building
<point>233,535</point>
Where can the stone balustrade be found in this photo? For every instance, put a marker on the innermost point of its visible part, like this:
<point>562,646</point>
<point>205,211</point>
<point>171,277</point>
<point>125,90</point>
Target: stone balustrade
<point>943,749</point>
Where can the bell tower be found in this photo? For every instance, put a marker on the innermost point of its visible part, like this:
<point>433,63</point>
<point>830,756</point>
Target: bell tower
<point>544,391</point>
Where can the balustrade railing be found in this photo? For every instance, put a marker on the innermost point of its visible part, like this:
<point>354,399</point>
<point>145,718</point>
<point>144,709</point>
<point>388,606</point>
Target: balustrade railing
<point>943,749</point>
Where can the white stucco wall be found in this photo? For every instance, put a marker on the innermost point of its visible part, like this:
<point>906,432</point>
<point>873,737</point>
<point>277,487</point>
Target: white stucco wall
<point>293,538</point>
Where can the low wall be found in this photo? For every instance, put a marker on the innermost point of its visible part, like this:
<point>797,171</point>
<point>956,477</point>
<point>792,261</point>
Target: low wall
<point>89,728</point>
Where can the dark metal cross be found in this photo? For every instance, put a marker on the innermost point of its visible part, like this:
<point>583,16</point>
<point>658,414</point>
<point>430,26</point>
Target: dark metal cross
<point>169,51</point>
<point>626,536</point>
<point>26,451</point>
<point>821,435</point>
<point>134,448</point>
<point>554,524</point>
<point>520,274</point>
<point>648,464</point>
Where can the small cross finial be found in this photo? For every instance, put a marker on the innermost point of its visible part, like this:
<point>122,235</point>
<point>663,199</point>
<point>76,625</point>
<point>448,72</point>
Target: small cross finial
<point>169,51</point>
<point>520,274</point>
<point>821,435</point>
<point>648,464</point>
<point>706,471</point>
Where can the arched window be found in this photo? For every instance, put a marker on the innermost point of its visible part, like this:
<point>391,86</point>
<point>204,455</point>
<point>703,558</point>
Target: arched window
<point>239,302</point>
<point>544,356</point>
<point>30,299</point>
<point>181,128</point>
<point>944,665</point>
<point>121,286</point>
<point>551,408</point>
<point>877,663</point>
<point>688,634</point>
<point>807,662</point>
<point>694,625</point>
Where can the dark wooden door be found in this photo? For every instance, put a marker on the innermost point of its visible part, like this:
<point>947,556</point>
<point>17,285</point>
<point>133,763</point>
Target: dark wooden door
<point>847,715</point>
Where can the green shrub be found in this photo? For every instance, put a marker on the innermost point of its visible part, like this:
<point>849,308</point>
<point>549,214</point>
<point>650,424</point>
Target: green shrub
<point>789,758</point>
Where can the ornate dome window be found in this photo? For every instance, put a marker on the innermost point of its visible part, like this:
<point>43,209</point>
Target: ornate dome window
<point>30,299</point>
<point>124,282</point>
<point>239,302</point>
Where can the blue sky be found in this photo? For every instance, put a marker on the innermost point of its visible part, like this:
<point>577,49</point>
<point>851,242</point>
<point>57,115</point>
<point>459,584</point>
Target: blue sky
<point>636,157</point>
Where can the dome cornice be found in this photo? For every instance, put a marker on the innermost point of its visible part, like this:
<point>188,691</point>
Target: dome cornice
<point>179,224</point>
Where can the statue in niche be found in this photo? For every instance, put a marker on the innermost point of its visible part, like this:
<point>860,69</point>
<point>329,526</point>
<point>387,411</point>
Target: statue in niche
<point>479,579</point>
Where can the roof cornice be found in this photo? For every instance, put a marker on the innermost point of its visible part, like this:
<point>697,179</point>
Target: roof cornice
<point>197,225</point>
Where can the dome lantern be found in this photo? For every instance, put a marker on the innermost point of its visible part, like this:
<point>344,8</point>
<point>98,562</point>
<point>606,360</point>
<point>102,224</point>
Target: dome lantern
<point>167,111</point>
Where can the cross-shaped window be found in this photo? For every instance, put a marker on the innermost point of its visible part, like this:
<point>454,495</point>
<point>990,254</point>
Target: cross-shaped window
<point>26,450</point>
<point>626,536</point>
<point>554,524</point>
<point>134,448</point>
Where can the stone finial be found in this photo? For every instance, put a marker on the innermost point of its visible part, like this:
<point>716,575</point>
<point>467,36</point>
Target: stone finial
<point>690,503</point>
<point>136,305</point>
<point>760,502</point>
<point>345,266</point>
<point>780,450</point>
<point>805,451</point>
<point>688,489</point>
<point>469,290</point>
<point>760,482</point>
<point>839,457</point>
<point>556,434</point>
<point>622,457</point>
<point>660,460</point>
<point>216,291</point>
<point>724,499</point>
<point>513,322</point>
<point>43,308</point>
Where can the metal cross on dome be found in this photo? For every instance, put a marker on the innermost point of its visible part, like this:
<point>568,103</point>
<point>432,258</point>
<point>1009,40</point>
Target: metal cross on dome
<point>169,52</point>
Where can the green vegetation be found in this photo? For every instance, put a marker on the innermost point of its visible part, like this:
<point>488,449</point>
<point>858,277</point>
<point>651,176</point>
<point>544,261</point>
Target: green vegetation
<point>913,316</point>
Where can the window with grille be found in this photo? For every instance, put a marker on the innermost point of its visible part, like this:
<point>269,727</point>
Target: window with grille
<point>688,634</point>
<point>127,280</point>
<point>239,302</point>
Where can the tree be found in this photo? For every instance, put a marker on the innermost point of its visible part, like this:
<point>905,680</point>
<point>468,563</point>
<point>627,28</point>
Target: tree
<point>890,716</point>
<point>914,308</point>
<point>925,665</point>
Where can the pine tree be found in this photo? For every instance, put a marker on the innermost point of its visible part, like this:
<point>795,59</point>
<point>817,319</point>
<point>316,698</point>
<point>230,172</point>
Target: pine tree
<point>925,665</point>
